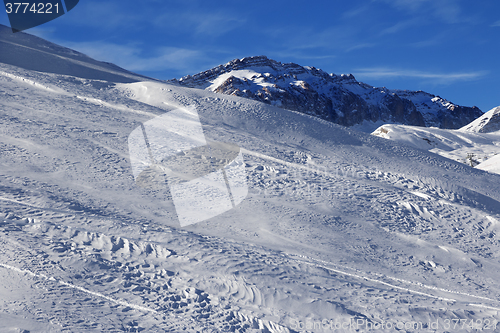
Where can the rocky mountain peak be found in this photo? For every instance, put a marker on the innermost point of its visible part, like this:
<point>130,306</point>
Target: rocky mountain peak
<point>337,98</point>
<point>260,64</point>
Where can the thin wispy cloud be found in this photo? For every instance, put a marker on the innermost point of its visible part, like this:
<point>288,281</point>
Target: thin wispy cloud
<point>496,24</point>
<point>400,26</point>
<point>201,23</point>
<point>298,56</point>
<point>216,24</point>
<point>408,4</point>
<point>441,78</point>
<point>360,47</point>
<point>106,15</point>
<point>112,15</point>
<point>340,38</point>
<point>438,39</point>
<point>359,10</point>
<point>447,10</point>
<point>131,57</point>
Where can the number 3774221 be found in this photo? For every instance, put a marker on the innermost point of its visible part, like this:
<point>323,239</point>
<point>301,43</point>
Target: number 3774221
<point>27,14</point>
<point>32,8</point>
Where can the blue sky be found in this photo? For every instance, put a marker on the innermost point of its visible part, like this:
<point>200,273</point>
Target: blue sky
<point>449,48</point>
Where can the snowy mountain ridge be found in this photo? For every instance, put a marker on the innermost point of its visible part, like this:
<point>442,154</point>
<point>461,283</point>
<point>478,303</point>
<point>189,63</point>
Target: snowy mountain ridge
<point>34,53</point>
<point>489,122</point>
<point>477,144</point>
<point>337,98</point>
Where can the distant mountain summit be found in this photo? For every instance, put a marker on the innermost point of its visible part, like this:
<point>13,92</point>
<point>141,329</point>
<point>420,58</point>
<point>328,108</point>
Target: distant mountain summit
<point>487,123</point>
<point>337,98</point>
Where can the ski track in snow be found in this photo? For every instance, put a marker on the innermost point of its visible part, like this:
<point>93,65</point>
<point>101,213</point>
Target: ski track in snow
<point>24,271</point>
<point>412,245</point>
<point>74,243</point>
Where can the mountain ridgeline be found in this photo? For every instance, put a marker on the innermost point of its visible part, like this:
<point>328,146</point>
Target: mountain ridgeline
<point>487,123</point>
<point>337,98</point>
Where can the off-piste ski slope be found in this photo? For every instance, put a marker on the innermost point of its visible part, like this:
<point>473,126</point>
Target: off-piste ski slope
<point>338,227</point>
<point>471,148</point>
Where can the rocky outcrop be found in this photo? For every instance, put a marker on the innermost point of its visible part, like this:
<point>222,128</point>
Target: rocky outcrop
<point>337,98</point>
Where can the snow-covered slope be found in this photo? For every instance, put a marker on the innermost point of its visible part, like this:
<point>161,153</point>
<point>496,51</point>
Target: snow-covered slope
<point>491,165</point>
<point>30,52</point>
<point>463,146</point>
<point>339,227</point>
<point>489,122</point>
<point>337,98</point>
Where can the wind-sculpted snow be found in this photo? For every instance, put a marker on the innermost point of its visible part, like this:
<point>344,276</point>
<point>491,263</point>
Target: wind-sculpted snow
<point>338,226</point>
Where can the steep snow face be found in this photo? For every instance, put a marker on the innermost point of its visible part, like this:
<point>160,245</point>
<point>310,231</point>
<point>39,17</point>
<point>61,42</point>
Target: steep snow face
<point>462,146</point>
<point>491,165</point>
<point>338,226</point>
<point>487,123</point>
<point>30,52</point>
<point>337,98</point>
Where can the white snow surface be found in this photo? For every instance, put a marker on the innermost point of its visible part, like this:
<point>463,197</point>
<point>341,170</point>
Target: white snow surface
<point>491,164</point>
<point>488,122</point>
<point>339,226</point>
<point>458,145</point>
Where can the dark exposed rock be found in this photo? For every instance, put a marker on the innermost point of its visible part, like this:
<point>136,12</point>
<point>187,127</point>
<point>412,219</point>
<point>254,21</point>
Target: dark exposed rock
<point>337,98</point>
